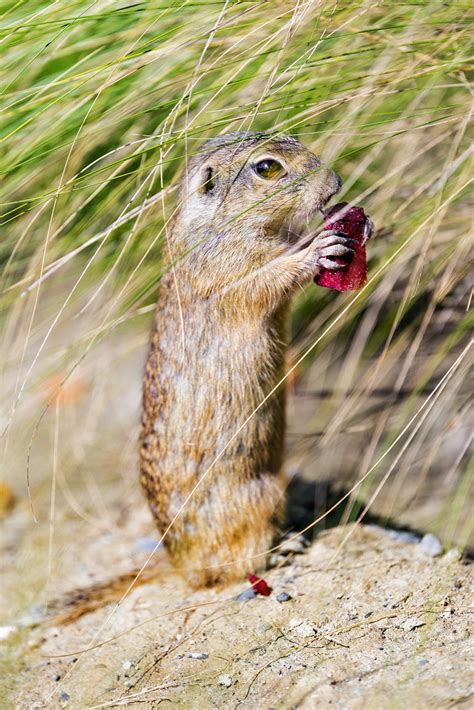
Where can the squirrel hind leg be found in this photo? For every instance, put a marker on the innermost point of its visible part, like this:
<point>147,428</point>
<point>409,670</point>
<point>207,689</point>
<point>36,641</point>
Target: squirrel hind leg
<point>229,563</point>
<point>229,548</point>
<point>216,544</point>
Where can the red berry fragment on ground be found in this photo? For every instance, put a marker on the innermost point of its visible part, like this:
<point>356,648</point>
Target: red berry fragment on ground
<point>353,222</point>
<point>259,585</point>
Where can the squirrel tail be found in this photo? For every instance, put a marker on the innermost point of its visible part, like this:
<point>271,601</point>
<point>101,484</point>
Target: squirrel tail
<point>77,602</point>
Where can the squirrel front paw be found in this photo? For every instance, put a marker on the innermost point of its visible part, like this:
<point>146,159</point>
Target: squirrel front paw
<point>326,251</point>
<point>330,244</point>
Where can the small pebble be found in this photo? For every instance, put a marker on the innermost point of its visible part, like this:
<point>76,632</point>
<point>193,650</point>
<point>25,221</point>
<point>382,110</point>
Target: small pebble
<point>423,662</point>
<point>64,696</point>
<point>430,545</point>
<point>403,536</point>
<point>452,555</point>
<point>225,680</point>
<point>6,632</point>
<point>246,595</point>
<point>126,665</point>
<point>283,597</point>
<point>198,656</point>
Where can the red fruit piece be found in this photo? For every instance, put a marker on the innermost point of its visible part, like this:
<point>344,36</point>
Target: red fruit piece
<point>353,222</point>
<point>259,585</point>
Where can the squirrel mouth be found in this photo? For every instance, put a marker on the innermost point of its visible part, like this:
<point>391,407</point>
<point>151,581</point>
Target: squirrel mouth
<point>301,233</point>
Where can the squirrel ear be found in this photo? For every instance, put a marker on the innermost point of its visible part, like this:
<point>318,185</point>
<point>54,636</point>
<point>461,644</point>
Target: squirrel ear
<point>208,181</point>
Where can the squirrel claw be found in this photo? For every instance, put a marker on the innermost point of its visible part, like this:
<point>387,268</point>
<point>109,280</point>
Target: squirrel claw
<point>368,230</point>
<point>331,243</point>
<point>331,265</point>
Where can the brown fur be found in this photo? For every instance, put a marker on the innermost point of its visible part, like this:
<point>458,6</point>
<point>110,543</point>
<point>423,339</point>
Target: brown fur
<point>218,348</point>
<point>77,602</point>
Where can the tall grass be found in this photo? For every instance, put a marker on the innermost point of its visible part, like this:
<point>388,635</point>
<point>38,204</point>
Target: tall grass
<point>100,105</point>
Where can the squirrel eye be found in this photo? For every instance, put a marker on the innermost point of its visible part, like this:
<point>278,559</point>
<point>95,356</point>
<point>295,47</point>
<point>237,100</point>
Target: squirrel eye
<point>269,169</point>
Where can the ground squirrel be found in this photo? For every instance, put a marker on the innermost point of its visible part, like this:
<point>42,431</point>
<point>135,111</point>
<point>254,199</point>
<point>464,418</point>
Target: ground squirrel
<point>238,247</point>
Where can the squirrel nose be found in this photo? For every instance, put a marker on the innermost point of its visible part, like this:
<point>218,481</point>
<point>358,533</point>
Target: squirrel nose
<point>333,182</point>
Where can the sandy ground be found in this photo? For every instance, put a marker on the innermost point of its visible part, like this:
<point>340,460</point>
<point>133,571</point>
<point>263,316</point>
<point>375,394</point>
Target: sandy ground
<point>377,624</point>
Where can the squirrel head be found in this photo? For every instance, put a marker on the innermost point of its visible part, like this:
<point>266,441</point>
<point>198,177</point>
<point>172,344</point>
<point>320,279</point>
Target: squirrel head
<point>247,198</point>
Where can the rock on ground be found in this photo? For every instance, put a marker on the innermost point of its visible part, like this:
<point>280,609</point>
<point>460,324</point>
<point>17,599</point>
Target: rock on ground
<point>375,624</point>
